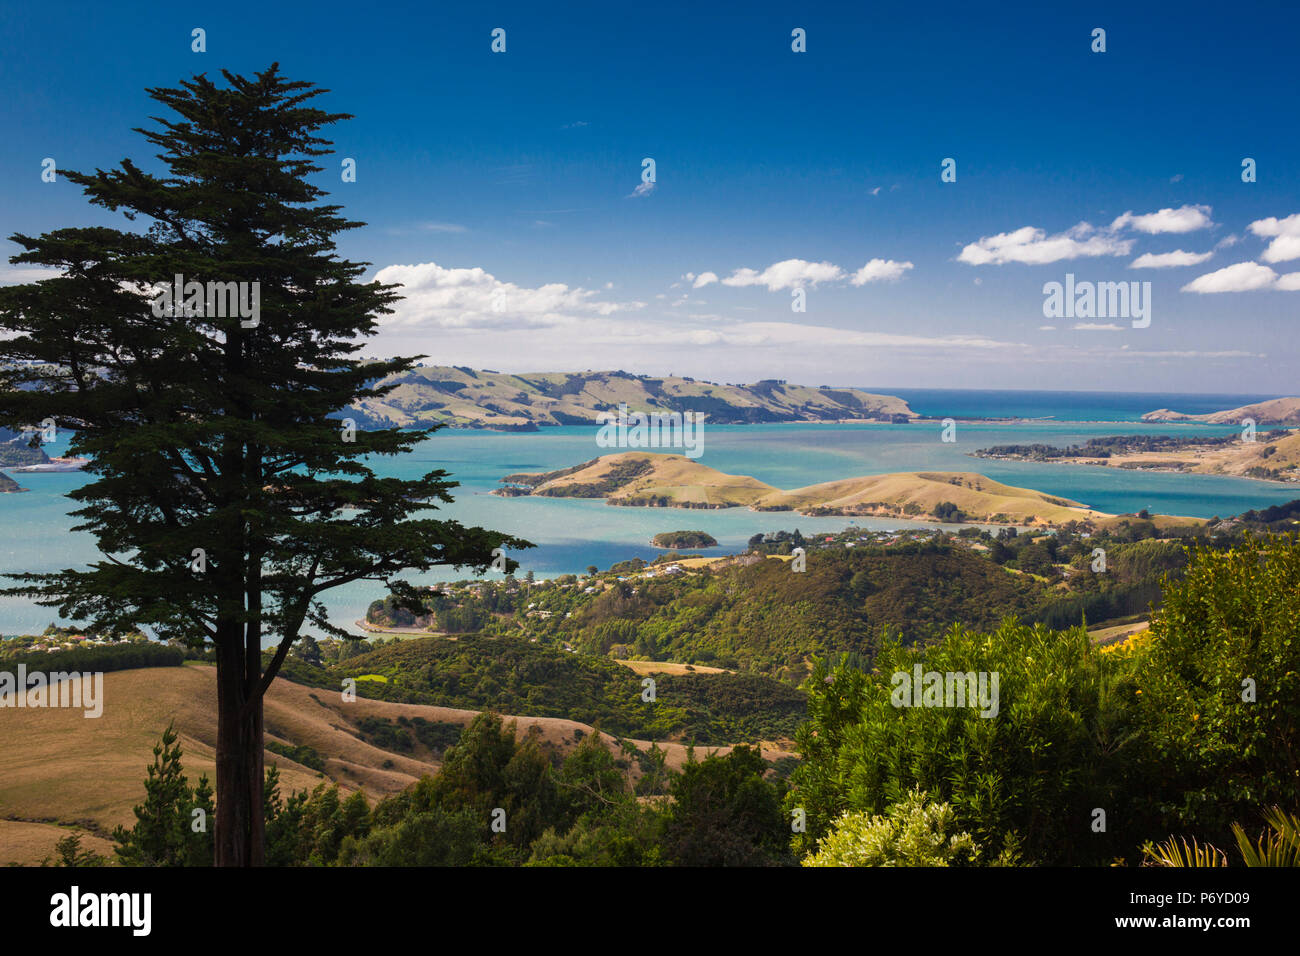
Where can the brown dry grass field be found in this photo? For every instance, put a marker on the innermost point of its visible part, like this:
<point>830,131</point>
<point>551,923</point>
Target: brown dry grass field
<point>63,769</point>
<point>671,667</point>
<point>1118,634</point>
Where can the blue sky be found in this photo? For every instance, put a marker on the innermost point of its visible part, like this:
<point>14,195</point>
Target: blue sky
<point>502,188</point>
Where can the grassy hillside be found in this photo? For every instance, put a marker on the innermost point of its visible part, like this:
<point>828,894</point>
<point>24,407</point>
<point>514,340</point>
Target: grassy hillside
<point>644,479</point>
<point>921,494</point>
<point>1278,411</point>
<point>473,398</point>
<point>44,790</point>
<point>649,479</point>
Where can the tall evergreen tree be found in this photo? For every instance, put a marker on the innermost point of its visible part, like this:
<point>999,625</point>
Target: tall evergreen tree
<point>226,495</point>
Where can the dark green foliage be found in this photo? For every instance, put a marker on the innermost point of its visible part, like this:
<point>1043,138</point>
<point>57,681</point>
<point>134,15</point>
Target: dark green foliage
<point>479,672</point>
<point>498,780</point>
<point>947,511</point>
<point>68,852</point>
<point>310,829</point>
<point>168,831</point>
<point>1221,687</point>
<point>1275,517</point>
<point>734,707</point>
<point>303,754</point>
<point>1061,744</point>
<point>765,618</point>
<point>435,734</point>
<point>429,837</point>
<point>384,733</point>
<point>307,649</point>
<point>103,657</point>
<point>390,612</point>
<point>1117,602</point>
<point>725,814</point>
<point>684,539</point>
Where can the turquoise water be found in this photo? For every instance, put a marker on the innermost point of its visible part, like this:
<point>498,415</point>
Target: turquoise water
<point>1064,406</point>
<point>35,533</point>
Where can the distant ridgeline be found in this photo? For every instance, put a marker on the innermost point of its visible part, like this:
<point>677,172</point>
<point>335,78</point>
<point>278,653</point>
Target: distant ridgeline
<point>15,450</point>
<point>470,398</point>
<point>1117,445</point>
<point>1272,455</point>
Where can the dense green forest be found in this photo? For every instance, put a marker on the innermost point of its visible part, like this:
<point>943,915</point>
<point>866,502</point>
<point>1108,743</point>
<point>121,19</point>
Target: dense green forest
<point>505,674</point>
<point>762,616</point>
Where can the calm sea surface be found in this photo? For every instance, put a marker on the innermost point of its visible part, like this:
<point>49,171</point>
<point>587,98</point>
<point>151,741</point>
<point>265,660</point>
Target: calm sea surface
<point>35,534</point>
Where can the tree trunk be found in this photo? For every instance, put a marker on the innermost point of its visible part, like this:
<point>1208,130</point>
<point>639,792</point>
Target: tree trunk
<point>239,827</point>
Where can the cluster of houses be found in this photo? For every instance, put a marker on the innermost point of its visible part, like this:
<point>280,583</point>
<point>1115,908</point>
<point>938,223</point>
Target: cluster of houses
<point>51,643</point>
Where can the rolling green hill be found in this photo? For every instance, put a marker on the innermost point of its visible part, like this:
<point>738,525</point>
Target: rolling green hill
<point>509,675</point>
<point>762,616</point>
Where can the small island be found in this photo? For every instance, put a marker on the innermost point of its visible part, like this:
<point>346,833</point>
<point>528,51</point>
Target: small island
<point>684,540</point>
<point>1272,456</point>
<point>8,485</point>
<point>654,480</point>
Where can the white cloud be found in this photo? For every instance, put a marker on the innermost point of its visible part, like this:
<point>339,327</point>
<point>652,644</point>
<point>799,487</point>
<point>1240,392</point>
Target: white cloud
<point>1169,260</point>
<point>21,275</point>
<point>1182,219</point>
<point>799,273</point>
<point>1047,328</point>
<point>438,297</point>
<point>1096,327</point>
<point>1033,246</point>
<point>441,227</point>
<point>1240,277</point>
<point>875,191</point>
<point>794,334</point>
<point>1289,282</point>
<point>1285,234</point>
<point>642,189</point>
<point>880,270</point>
<point>787,274</point>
